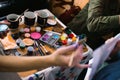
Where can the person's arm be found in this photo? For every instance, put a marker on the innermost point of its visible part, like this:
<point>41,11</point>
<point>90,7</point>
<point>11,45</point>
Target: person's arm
<point>15,63</point>
<point>61,57</point>
<point>97,20</point>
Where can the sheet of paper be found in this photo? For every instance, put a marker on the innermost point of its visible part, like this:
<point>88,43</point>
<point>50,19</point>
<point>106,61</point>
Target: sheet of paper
<point>99,56</point>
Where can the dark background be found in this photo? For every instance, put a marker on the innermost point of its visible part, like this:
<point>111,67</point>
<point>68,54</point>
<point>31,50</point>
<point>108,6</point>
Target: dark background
<point>18,6</point>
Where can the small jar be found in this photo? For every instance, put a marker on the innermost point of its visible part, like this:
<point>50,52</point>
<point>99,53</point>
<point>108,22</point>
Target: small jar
<point>22,45</point>
<point>30,50</point>
<point>3,30</point>
<point>38,29</point>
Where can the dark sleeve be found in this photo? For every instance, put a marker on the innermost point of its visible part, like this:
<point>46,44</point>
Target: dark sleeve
<point>97,21</point>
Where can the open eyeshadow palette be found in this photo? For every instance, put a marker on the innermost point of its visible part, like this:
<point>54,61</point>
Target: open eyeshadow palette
<point>50,38</point>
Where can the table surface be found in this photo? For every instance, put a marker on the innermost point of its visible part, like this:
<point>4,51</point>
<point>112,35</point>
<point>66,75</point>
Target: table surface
<point>27,73</point>
<point>22,25</point>
<point>60,25</point>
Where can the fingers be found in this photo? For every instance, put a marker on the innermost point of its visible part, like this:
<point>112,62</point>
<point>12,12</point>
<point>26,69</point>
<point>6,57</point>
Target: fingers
<point>116,49</point>
<point>76,56</point>
<point>79,51</point>
<point>82,65</point>
<point>118,44</point>
<point>67,49</point>
<point>109,40</point>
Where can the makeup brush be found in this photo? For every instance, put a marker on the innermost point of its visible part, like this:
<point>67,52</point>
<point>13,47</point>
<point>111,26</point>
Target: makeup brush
<point>22,14</point>
<point>39,49</point>
<point>46,52</point>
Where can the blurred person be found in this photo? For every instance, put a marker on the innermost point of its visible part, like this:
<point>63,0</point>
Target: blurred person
<point>99,20</point>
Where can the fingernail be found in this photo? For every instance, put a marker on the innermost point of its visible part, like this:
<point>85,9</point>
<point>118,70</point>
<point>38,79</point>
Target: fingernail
<point>76,45</point>
<point>90,65</point>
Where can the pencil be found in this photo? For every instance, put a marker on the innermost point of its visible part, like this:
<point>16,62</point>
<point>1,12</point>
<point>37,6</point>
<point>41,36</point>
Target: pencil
<point>71,60</point>
<point>72,56</point>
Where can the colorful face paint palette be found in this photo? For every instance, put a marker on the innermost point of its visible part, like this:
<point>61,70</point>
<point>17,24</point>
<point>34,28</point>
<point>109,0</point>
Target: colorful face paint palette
<point>50,38</point>
<point>35,35</point>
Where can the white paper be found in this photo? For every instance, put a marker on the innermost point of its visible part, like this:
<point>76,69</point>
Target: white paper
<point>99,56</point>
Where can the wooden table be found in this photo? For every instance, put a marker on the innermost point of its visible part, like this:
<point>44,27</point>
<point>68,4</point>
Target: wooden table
<point>58,28</point>
<point>26,73</point>
<point>22,25</point>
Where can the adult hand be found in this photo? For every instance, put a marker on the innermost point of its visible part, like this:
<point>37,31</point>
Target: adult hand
<point>64,55</point>
<point>116,49</point>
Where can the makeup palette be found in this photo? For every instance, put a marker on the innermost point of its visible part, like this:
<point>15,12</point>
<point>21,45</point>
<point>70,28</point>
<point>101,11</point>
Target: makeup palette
<point>50,38</point>
<point>35,35</point>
